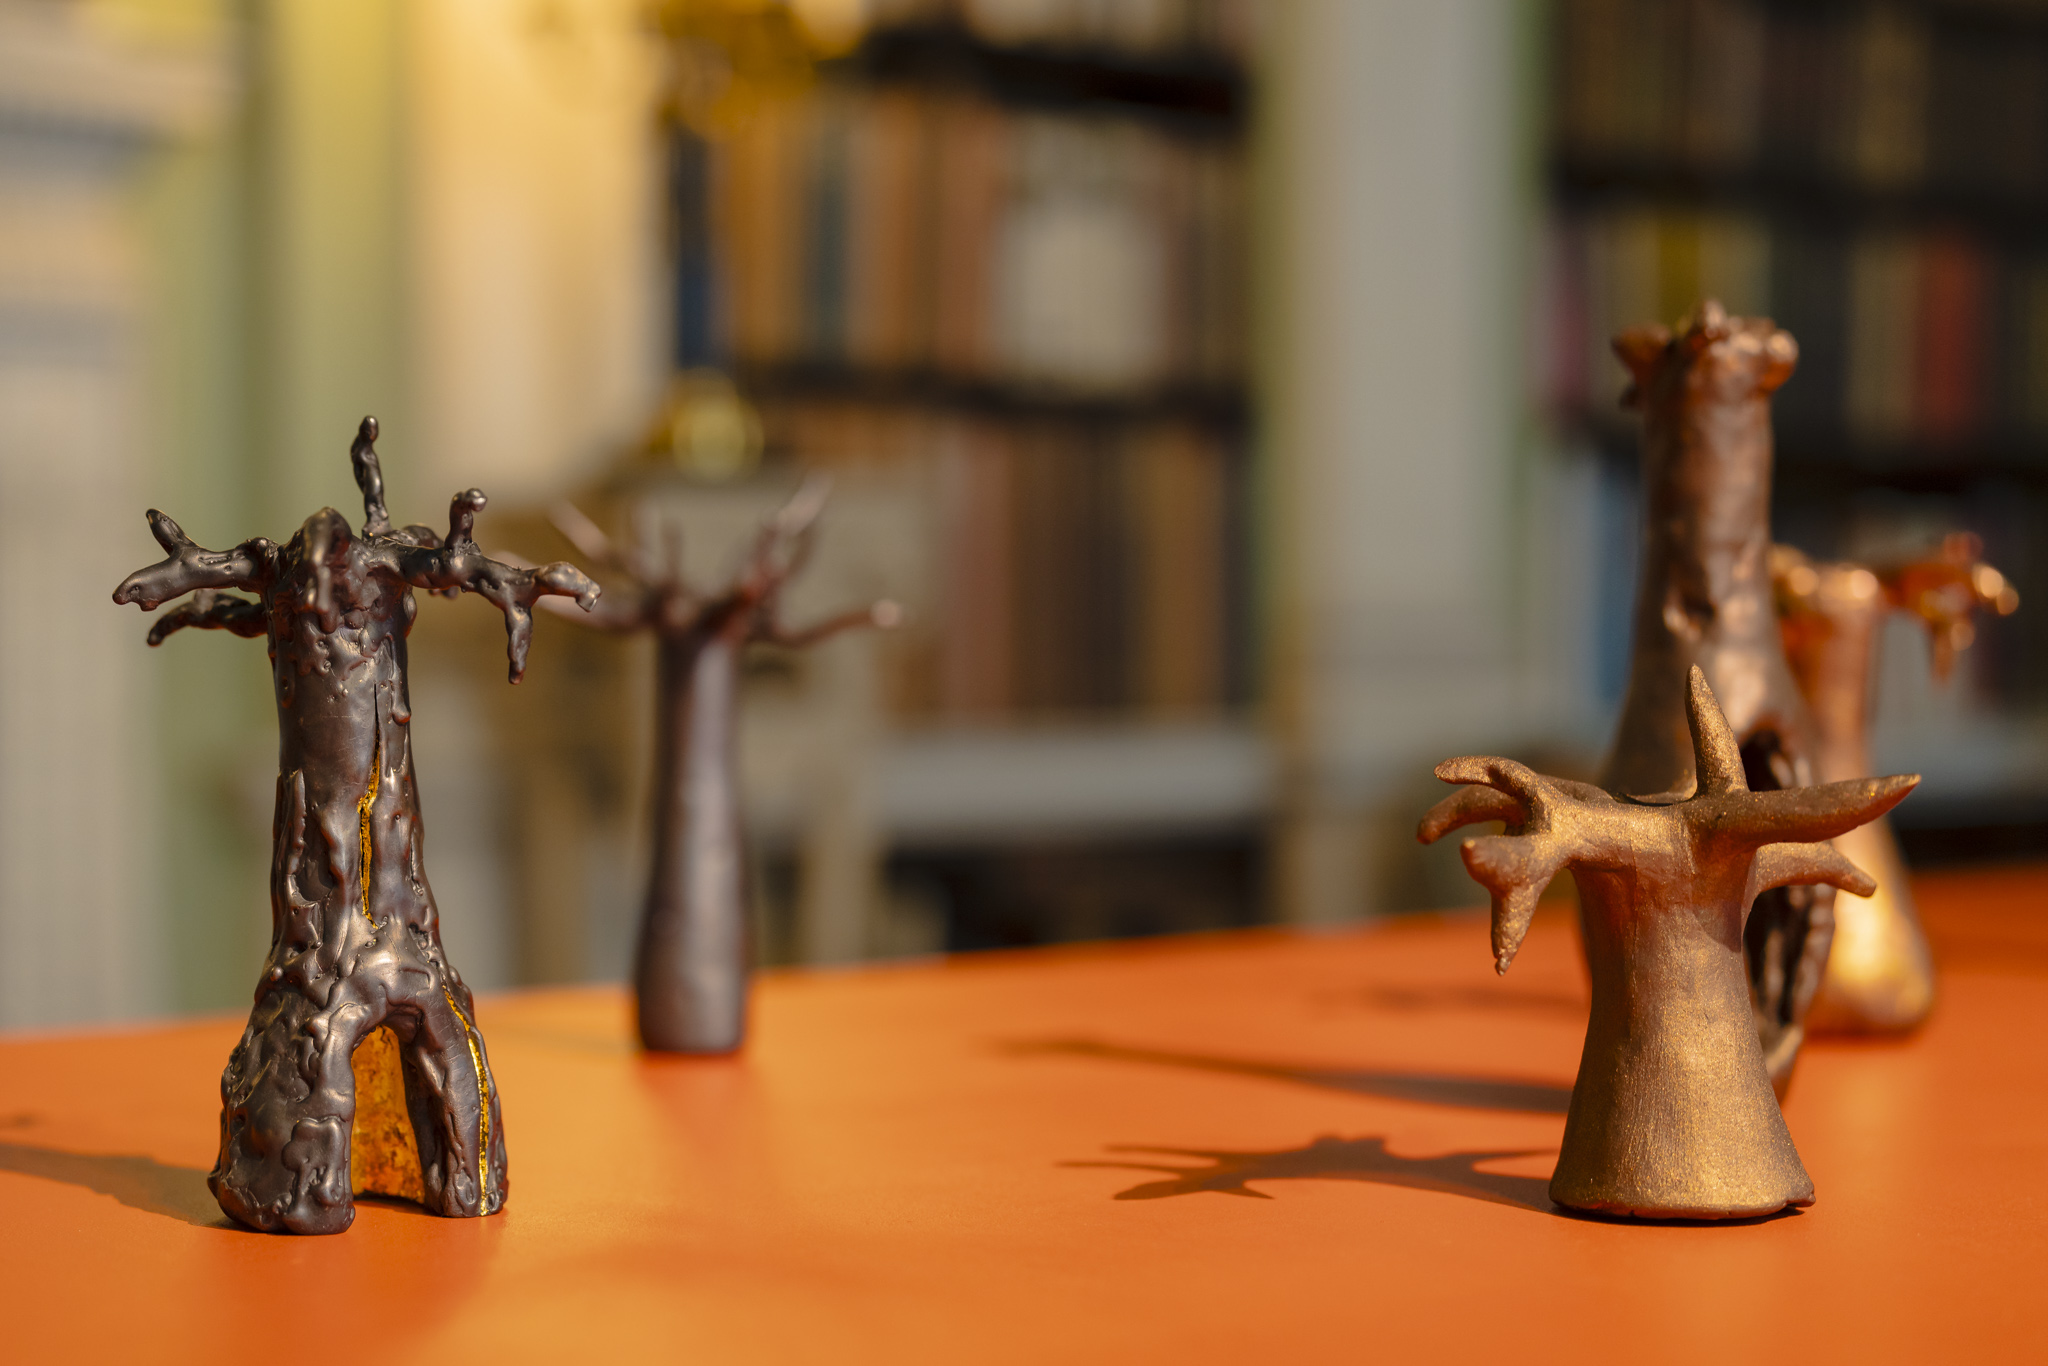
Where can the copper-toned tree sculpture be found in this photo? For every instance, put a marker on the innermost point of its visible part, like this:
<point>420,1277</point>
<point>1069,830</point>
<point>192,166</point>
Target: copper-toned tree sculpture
<point>1880,973</point>
<point>362,1068</point>
<point>1705,598</point>
<point>690,970</point>
<point>1673,1114</point>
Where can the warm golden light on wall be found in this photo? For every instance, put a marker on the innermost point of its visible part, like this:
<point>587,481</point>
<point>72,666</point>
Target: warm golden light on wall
<point>729,55</point>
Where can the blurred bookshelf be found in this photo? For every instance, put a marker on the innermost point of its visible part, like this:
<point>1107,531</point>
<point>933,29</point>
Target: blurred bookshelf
<point>992,258</point>
<point>1874,175</point>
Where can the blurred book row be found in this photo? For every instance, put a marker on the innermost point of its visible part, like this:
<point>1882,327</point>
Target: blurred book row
<point>1884,97</point>
<point>899,233</point>
<point>1138,26</point>
<point>1934,342</point>
<point>1081,568</point>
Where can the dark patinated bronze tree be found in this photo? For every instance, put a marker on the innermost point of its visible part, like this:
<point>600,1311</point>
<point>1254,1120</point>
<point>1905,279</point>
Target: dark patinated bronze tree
<point>1673,1114</point>
<point>690,970</point>
<point>362,1068</point>
<point>1704,599</point>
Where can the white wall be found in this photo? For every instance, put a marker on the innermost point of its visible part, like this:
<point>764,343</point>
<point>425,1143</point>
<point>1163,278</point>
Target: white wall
<point>80,897</point>
<point>540,306</point>
<point>1392,254</point>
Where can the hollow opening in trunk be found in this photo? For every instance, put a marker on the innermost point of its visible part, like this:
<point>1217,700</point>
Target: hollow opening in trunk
<point>384,1152</point>
<point>1774,937</point>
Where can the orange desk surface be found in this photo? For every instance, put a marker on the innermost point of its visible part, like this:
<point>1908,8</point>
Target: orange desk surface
<point>1265,1146</point>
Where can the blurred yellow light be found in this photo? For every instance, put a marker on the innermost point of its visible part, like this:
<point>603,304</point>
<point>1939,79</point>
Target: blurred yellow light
<point>709,430</point>
<point>834,25</point>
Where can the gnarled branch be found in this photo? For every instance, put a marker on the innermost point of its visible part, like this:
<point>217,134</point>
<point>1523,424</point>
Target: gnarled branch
<point>191,567</point>
<point>1806,814</point>
<point>1796,814</point>
<point>884,614</point>
<point>456,565</point>
<point>1717,759</point>
<point>591,541</point>
<point>208,610</point>
<point>1786,865</point>
<point>663,602</point>
<point>1470,806</point>
<point>369,472</point>
<point>1514,868</point>
<point>783,545</point>
<point>1554,825</point>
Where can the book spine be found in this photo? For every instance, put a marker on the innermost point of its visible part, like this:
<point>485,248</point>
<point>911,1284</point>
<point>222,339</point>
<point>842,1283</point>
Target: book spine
<point>977,518</point>
<point>1887,145</point>
<point>824,316</point>
<point>1953,352</point>
<point>1181,597</point>
<point>1879,398</point>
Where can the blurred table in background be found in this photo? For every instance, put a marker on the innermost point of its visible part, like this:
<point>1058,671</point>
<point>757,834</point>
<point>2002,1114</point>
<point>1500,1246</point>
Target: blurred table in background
<point>1228,1147</point>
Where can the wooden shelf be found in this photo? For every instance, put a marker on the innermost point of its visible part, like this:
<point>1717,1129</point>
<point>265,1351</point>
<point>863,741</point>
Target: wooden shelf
<point>1011,781</point>
<point>944,785</point>
<point>1792,195</point>
<point>1825,461</point>
<point>1204,91</point>
<point>1222,405</point>
<point>2008,21</point>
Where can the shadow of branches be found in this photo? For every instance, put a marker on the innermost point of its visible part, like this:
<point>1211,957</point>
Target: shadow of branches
<point>138,1182</point>
<point>1429,1088</point>
<point>1328,1158</point>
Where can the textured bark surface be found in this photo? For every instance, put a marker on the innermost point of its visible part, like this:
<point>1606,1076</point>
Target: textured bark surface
<point>1673,1113</point>
<point>690,968</point>
<point>1705,599</point>
<point>362,1068</point>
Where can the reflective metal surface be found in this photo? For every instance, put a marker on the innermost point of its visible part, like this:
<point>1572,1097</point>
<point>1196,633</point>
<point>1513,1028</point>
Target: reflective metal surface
<point>356,982</point>
<point>690,971</point>
<point>1880,974</point>
<point>1704,598</point>
<point>1673,1114</point>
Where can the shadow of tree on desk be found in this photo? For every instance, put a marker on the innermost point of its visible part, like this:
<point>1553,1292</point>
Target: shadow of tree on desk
<point>1414,999</point>
<point>1329,1158</point>
<point>138,1182</point>
<point>1429,1088</point>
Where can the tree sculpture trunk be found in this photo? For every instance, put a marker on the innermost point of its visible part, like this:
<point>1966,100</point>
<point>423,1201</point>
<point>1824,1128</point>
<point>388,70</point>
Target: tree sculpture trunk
<point>1704,599</point>
<point>362,1067</point>
<point>1880,973</point>
<point>1673,1114</point>
<point>690,970</point>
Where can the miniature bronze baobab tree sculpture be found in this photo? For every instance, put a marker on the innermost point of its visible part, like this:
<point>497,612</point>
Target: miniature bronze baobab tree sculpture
<point>690,969</point>
<point>1673,1114</point>
<point>1704,598</point>
<point>362,1068</point>
<point>1880,973</point>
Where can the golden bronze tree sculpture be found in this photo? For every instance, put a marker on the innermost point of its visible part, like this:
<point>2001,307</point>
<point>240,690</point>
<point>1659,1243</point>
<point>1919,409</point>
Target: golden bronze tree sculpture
<point>1673,1115</point>
<point>362,1067</point>
<point>1880,972</point>
<point>690,969</point>
<point>1704,598</point>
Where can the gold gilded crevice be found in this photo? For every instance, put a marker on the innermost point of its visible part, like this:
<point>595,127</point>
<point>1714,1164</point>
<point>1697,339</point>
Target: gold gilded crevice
<point>363,805</point>
<point>383,1154</point>
<point>483,1105</point>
